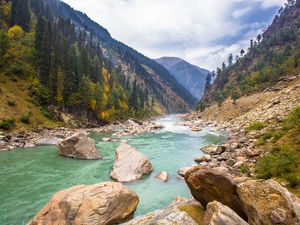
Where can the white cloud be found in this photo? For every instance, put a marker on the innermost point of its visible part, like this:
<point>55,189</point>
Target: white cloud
<point>270,3</point>
<point>191,29</point>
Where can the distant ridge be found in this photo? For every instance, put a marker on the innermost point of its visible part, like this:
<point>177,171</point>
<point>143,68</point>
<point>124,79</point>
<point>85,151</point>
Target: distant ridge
<point>192,77</point>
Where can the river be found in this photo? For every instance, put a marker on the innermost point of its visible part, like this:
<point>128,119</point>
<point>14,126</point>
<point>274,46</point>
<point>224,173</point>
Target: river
<point>29,177</point>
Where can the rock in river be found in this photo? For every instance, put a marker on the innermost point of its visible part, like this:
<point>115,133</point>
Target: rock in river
<point>209,185</point>
<point>163,176</point>
<point>130,164</point>
<point>100,204</point>
<point>213,149</point>
<point>79,146</point>
<point>218,214</point>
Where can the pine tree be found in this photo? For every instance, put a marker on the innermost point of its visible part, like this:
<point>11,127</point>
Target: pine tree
<point>43,49</point>
<point>20,14</point>
<point>133,100</point>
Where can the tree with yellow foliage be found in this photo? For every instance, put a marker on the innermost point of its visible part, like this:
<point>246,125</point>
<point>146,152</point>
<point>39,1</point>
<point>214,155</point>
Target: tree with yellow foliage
<point>15,33</point>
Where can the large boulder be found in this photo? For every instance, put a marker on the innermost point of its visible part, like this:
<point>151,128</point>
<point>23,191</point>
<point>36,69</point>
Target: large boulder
<point>130,164</point>
<point>207,185</point>
<point>268,203</point>
<point>99,204</point>
<point>79,146</point>
<point>218,214</point>
<point>182,211</point>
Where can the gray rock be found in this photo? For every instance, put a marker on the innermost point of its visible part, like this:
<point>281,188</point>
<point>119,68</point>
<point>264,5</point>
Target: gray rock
<point>4,148</point>
<point>104,203</point>
<point>182,171</point>
<point>163,176</point>
<point>174,214</point>
<point>213,149</point>
<point>218,214</point>
<point>130,164</point>
<point>79,146</point>
<point>48,141</point>
<point>267,202</point>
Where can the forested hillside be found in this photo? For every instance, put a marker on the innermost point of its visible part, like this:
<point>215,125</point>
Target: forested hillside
<point>70,64</point>
<point>273,56</point>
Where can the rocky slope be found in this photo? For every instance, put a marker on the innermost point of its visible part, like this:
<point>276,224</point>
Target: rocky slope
<point>192,77</point>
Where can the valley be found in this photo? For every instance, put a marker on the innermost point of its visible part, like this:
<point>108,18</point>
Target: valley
<point>94,132</point>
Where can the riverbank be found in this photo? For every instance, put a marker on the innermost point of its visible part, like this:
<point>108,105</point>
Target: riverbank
<point>30,177</point>
<point>52,136</point>
<point>263,135</point>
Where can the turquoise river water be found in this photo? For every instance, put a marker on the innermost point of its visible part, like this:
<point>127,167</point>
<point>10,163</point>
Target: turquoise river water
<point>29,177</point>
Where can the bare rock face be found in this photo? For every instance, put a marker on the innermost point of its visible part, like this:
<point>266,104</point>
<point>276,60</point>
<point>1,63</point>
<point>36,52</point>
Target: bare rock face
<point>268,203</point>
<point>207,185</point>
<point>130,164</point>
<point>100,204</point>
<point>218,214</point>
<point>79,146</point>
<point>176,213</point>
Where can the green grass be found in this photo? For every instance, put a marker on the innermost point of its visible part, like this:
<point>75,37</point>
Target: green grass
<point>292,121</point>
<point>279,163</point>
<point>256,126</point>
<point>7,124</point>
<point>283,161</point>
<point>194,211</point>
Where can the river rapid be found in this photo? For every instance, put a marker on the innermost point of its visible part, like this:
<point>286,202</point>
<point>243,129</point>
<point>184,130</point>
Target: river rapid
<point>29,177</point>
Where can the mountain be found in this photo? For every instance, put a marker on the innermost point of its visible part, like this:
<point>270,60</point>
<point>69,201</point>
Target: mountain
<point>164,88</point>
<point>192,77</point>
<point>68,64</point>
<point>273,57</point>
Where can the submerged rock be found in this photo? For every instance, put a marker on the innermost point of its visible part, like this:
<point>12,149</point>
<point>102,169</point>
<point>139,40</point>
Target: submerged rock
<point>268,203</point>
<point>177,213</point>
<point>130,164</point>
<point>219,214</point>
<point>207,185</point>
<point>99,204</point>
<point>196,129</point>
<point>163,176</point>
<point>106,139</point>
<point>79,146</point>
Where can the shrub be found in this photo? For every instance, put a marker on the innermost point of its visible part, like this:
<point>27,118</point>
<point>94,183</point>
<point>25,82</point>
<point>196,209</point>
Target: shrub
<point>48,114</point>
<point>279,164</point>
<point>293,179</point>
<point>11,103</point>
<point>256,126</point>
<point>245,169</point>
<point>293,120</point>
<point>7,124</point>
<point>26,118</point>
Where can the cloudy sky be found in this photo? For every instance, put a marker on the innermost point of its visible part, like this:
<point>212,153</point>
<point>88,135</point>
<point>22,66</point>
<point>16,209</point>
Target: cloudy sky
<point>203,32</point>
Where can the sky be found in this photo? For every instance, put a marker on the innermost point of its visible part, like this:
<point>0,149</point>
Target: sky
<point>203,32</point>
